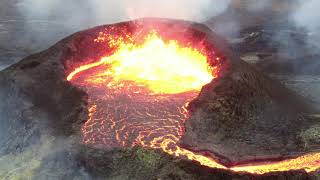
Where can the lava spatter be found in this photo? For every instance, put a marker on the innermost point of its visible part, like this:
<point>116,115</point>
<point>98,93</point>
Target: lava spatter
<point>138,95</point>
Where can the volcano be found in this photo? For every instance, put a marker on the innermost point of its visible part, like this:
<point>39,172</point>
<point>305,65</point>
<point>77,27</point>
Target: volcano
<point>165,85</point>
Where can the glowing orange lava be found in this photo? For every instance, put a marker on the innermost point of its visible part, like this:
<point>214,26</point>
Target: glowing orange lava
<point>138,95</point>
<point>162,67</point>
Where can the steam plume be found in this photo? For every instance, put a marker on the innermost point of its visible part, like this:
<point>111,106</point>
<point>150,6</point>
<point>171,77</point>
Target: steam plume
<point>77,14</point>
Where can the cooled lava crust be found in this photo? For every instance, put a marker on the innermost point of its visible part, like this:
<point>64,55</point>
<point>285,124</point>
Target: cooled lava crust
<point>175,86</point>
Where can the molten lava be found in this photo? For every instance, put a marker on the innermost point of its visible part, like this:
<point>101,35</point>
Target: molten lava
<point>164,68</point>
<point>138,95</point>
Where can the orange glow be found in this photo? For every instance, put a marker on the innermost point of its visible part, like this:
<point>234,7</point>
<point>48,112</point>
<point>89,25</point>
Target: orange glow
<point>162,67</point>
<point>83,68</point>
<point>309,163</point>
<point>138,95</point>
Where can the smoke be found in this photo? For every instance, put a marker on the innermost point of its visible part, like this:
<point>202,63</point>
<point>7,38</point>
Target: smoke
<point>194,10</point>
<point>307,16</point>
<point>47,21</point>
<point>77,14</point>
<point>258,5</point>
<point>300,35</point>
<point>50,20</point>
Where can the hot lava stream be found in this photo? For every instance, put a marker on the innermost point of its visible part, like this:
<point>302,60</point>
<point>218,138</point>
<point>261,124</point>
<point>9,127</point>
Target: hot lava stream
<point>138,96</point>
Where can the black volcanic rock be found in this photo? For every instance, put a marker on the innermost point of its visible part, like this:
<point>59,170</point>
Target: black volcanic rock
<point>244,116</point>
<point>42,114</point>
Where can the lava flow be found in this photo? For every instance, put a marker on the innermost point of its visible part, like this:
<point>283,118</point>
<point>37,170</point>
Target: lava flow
<point>138,97</point>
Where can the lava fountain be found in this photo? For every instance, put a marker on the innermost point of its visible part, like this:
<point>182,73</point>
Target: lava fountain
<point>139,90</point>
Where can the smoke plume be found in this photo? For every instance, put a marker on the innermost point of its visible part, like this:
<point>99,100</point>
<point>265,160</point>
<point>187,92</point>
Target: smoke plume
<point>76,14</point>
<point>307,16</point>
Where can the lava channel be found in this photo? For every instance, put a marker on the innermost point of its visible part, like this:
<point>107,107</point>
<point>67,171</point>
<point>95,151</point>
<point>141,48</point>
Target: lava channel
<point>138,97</point>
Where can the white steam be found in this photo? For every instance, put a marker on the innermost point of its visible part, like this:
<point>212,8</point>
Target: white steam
<point>47,21</point>
<point>77,14</point>
<point>308,15</point>
<point>195,10</point>
<point>258,5</point>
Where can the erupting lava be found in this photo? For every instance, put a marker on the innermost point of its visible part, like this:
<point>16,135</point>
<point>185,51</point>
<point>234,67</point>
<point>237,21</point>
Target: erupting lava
<point>138,95</point>
<point>162,68</point>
